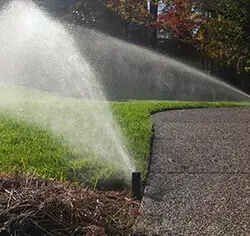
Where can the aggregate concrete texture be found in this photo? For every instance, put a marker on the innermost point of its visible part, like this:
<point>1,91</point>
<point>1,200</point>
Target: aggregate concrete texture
<point>199,179</point>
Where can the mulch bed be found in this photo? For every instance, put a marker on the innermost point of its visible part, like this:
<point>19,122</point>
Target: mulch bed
<point>31,206</point>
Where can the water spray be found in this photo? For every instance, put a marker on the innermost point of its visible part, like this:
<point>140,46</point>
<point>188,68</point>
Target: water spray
<point>136,184</point>
<point>38,52</point>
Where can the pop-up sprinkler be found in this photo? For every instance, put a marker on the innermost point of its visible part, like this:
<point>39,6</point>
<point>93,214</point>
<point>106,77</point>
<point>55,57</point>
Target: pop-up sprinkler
<point>136,184</point>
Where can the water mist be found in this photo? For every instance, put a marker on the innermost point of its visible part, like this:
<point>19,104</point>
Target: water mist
<point>38,54</point>
<point>132,72</point>
<point>45,64</point>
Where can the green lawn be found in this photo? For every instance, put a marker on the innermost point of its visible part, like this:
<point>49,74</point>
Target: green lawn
<point>135,120</point>
<point>28,147</point>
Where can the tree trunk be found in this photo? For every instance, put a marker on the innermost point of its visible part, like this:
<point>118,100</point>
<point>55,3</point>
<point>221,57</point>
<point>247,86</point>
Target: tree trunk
<point>154,9</point>
<point>153,31</point>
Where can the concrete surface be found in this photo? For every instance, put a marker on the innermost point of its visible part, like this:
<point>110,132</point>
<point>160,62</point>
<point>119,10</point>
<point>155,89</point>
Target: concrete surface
<point>199,180</point>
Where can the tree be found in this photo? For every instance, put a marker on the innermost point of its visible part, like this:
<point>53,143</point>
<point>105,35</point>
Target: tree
<point>136,11</point>
<point>95,14</point>
<point>178,19</point>
<point>154,16</point>
<point>225,32</point>
<point>130,10</point>
<point>218,28</point>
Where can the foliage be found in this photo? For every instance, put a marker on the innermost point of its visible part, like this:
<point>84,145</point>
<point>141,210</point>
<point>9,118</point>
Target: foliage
<point>134,11</point>
<point>224,35</point>
<point>225,40</point>
<point>179,20</point>
<point>220,29</point>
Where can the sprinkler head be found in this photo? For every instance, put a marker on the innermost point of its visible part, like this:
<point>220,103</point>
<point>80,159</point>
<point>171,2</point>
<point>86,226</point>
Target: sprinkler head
<point>136,184</point>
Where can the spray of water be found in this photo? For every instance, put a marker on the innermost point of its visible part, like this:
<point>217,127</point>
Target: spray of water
<point>132,72</point>
<point>38,54</point>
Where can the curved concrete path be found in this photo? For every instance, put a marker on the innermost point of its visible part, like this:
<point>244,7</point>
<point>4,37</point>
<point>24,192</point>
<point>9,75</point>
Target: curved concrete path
<point>199,181</point>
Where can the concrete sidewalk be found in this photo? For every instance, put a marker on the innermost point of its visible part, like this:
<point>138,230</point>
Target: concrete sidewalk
<point>199,180</point>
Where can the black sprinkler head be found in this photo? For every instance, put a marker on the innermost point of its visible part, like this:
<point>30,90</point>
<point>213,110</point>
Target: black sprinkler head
<point>136,184</point>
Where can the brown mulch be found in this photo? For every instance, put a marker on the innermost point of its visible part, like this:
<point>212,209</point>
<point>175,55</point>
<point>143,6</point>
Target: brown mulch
<point>31,206</point>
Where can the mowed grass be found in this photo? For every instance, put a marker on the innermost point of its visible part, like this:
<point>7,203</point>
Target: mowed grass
<point>26,147</point>
<point>137,125</point>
